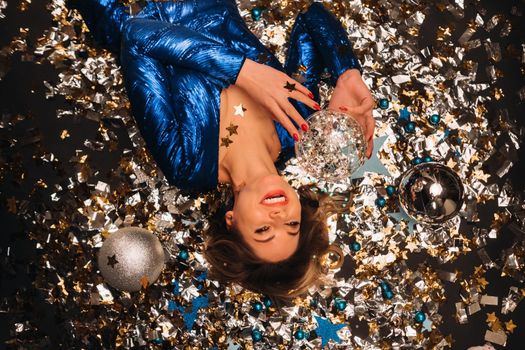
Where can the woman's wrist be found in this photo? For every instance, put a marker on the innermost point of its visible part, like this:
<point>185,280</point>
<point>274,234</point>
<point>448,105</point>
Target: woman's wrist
<point>245,71</point>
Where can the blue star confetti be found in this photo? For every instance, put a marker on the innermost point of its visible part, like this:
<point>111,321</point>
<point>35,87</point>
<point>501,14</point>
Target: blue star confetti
<point>327,330</point>
<point>373,165</point>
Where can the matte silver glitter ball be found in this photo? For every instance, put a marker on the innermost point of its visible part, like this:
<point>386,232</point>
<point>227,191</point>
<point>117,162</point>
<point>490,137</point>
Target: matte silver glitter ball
<point>334,147</point>
<point>131,257</point>
<point>431,192</point>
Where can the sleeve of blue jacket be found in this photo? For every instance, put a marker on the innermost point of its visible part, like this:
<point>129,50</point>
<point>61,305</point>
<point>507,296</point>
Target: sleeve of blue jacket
<point>104,18</point>
<point>331,41</point>
<point>175,44</point>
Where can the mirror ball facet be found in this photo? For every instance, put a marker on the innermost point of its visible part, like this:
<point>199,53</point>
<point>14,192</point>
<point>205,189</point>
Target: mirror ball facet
<point>129,257</point>
<point>431,192</point>
<point>333,148</point>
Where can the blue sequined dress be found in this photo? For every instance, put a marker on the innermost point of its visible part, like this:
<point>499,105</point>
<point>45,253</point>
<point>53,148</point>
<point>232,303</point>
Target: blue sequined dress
<point>176,58</point>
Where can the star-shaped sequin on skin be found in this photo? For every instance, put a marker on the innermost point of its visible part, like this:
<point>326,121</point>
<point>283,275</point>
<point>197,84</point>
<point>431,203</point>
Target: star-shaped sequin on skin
<point>232,129</point>
<point>225,141</point>
<point>112,260</point>
<point>239,110</point>
<point>290,86</point>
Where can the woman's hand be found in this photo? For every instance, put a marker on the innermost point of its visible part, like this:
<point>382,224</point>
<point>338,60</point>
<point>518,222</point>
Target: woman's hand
<point>352,96</point>
<point>272,88</point>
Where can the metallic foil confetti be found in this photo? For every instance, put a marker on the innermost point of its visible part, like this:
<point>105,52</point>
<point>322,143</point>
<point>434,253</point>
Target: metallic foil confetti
<point>185,308</point>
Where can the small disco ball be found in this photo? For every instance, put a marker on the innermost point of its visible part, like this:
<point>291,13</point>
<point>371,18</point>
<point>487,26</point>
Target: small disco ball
<point>334,147</point>
<point>431,192</point>
<point>131,258</point>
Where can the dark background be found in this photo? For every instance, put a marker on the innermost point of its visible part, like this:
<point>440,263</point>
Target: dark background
<point>22,91</point>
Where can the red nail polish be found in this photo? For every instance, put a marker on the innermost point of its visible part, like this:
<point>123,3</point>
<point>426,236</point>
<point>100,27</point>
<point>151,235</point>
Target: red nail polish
<point>296,137</point>
<point>304,127</point>
<point>310,95</point>
<point>343,108</point>
<point>316,106</point>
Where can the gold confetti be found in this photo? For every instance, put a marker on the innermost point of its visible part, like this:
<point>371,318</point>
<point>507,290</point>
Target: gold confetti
<point>225,141</point>
<point>510,326</point>
<point>232,129</point>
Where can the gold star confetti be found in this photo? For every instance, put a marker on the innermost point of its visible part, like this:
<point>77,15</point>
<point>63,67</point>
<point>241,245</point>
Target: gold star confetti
<point>112,260</point>
<point>290,86</point>
<point>64,134</point>
<point>491,318</point>
<point>232,129</point>
<point>411,246</point>
<point>510,326</point>
<point>239,110</point>
<point>225,141</point>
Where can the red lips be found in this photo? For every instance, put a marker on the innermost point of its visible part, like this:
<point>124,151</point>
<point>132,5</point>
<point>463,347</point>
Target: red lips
<point>272,194</point>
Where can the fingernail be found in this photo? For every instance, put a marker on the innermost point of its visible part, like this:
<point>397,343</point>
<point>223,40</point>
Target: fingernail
<point>316,106</point>
<point>296,137</point>
<point>310,95</point>
<point>343,108</point>
<point>304,127</point>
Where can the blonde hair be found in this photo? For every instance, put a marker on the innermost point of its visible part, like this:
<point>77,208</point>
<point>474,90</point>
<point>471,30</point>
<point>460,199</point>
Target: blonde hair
<point>231,260</point>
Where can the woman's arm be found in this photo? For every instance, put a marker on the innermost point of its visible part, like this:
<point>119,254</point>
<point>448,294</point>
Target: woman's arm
<point>104,18</point>
<point>175,44</point>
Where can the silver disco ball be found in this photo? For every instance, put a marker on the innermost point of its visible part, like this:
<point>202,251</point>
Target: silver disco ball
<point>131,258</point>
<point>431,192</point>
<point>334,147</point>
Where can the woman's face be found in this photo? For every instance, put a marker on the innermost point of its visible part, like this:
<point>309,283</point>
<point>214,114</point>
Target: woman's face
<point>267,213</point>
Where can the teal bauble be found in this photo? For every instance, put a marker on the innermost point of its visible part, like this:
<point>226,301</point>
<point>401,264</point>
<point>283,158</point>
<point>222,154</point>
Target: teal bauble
<point>267,302</point>
<point>380,202</point>
<point>355,246</point>
<point>410,127</point>
<point>420,317</point>
<point>340,304</point>
<point>256,13</point>
<point>383,103</point>
<point>390,190</point>
<point>299,334</point>
<point>183,254</point>
<point>257,306</point>
<point>434,119</point>
<point>256,335</point>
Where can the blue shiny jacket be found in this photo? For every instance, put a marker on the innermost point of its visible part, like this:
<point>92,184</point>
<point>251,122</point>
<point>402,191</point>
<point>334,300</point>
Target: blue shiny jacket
<point>176,58</point>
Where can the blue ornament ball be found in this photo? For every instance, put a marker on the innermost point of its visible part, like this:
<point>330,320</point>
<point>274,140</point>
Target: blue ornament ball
<point>380,202</point>
<point>267,301</point>
<point>410,127</point>
<point>256,13</point>
<point>384,286</point>
<point>340,304</point>
<point>383,103</point>
<point>388,294</point>
<point>434,119</point>
<point>390,190</point>
<point>417,161</point>
<point>427,159</point>
<point>256,335</point>
<point>183,254</point>
<point>299,334</point>
<point>257,306</point>
<point>355,246</point>
<point>420,317</point>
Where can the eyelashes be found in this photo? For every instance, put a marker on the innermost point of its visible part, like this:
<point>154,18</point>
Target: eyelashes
<point>266,228</point>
